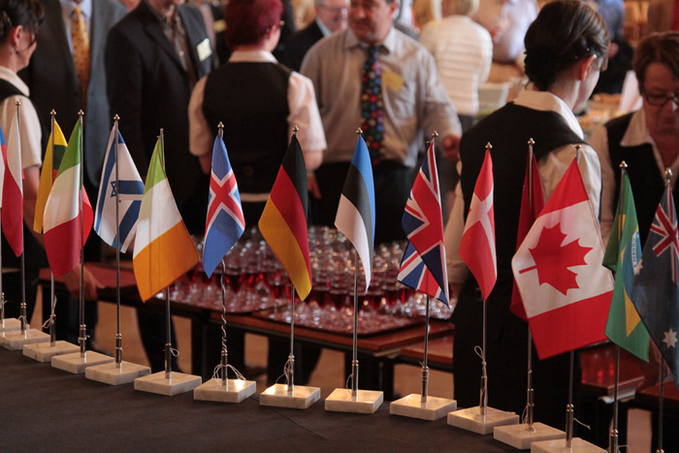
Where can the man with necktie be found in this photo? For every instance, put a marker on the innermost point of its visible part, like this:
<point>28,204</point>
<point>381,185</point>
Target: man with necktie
<point>374,76</point>
<point>66,74</point>
<point>154,56</point>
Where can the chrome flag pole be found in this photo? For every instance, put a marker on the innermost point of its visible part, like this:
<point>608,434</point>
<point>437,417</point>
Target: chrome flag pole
<point>82,338</point>
<point>354,345</point>
<point>53,298</point>
<point>425,367</point>
<point>22,309</point>
<point>119,335</point>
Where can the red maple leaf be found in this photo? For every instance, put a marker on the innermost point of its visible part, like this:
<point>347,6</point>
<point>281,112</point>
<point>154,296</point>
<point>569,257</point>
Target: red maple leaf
<point>553,259</point>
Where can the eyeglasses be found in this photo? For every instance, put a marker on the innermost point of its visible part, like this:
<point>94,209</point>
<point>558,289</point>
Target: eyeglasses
<point>334,10</point>
<point>659,100</point>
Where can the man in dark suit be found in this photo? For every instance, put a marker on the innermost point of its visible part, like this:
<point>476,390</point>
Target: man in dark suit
<point>331,15</point>
<point>154,56</point>
<point>51,77</point>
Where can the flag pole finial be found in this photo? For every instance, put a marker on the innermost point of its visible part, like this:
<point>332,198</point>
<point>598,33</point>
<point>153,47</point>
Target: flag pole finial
<point>489,146</point>
<point>578,147</point>
<point>116,118</point>
<point>668,175</point>
<point>359,131</point>
<point>435,134</point>
<point>17,103</point>
<point>531,142</point>
<point>220,129</point>
<point>623,165</point>
<point>295,130</point>
<point>53,112</point>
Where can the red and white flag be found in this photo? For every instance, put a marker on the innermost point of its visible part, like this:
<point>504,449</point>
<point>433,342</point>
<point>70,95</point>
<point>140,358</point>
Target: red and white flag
<point>566,291</point>
<point>532,202</point>
<point>13,192</point>
<point>477,247</point>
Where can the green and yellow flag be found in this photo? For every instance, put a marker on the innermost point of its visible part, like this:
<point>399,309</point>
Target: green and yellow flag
<point>624,326</point>
<point>50,167</point>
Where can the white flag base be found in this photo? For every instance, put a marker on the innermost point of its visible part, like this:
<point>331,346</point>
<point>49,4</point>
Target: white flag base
<point>521,436</point>
<point>365,401</point>
<point>10,324</point>
<point>15,340</point>
<point>279,395</point>
<point>412,406</point>
<point>77,363</point>
<point>235,390</point>
<point>112,373</point>
<point>43,352</point>
<point>472,420</point>
<point>559,446</point>
<point>174,385</point>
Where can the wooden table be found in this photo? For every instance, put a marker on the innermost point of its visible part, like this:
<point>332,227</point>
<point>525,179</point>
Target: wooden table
<point>439,353</point>
<point>598,372</point>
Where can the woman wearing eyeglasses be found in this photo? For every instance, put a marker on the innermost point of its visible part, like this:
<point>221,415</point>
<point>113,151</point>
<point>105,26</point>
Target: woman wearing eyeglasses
<point>648,139</point>
<point>19,23</point>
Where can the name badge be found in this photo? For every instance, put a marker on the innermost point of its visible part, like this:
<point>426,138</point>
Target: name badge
<point>204,50</point>
<point>392,80</point>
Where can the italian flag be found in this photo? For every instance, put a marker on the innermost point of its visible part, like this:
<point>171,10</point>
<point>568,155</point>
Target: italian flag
<point>163,248</point>
<point>13,192</point>
<point>64,233</point>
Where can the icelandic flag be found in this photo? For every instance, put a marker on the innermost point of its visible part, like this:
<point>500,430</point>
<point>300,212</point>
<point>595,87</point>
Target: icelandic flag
<point>356,211</point>
<point>129,187</point>
<point>423,224</point>
<point>225,222</point>
<point>655,290</point>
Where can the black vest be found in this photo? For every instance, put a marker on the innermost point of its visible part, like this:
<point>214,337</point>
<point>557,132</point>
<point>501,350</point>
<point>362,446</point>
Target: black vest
<point>33,252</point>
<point>251,99</point>
<point>508,131</point>
<point>646,181</point>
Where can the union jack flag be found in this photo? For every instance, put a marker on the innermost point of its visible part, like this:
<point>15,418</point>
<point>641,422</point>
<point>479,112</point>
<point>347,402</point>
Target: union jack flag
<point>423,266</point>
<point>225,222</point>
<point>665,225</point>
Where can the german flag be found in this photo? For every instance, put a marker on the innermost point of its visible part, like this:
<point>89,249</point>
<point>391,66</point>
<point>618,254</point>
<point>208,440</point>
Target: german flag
<point>283,222</point>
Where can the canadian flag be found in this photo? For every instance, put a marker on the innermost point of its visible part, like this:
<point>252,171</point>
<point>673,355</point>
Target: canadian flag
<point>566,291</point>
<point>477,246</point>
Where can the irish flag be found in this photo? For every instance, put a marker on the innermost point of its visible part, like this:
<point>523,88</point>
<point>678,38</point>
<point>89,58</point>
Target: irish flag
<point>163,249</point>
<point>13,192</point>
<point>64,234</point>
<point>54,153</point>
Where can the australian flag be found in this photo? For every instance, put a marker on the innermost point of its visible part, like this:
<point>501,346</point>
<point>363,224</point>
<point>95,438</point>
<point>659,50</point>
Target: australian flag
<point>655,292</point>
<point>225,222</point>
<point>126,184</point>
<point>424,263</point>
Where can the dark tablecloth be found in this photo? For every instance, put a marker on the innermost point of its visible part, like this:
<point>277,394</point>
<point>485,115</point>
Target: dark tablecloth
<point>45,409</point>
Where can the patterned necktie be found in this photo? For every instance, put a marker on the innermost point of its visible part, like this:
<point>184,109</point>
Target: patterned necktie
<point>81,53</point>
<point>372,105</point>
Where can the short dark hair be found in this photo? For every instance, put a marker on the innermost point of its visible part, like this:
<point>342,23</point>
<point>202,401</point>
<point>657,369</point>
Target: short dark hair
<point>248,21</point>
<point>563,33</point>
<point>657,48</point>
<point>27,13</point>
